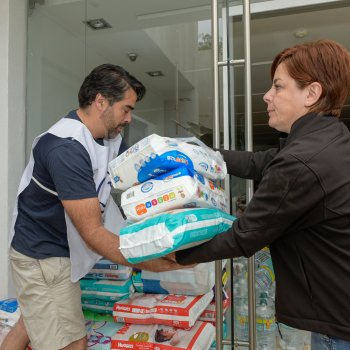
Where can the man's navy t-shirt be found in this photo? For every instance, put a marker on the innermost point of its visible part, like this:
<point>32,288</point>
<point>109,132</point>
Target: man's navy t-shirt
<point>62,165</point>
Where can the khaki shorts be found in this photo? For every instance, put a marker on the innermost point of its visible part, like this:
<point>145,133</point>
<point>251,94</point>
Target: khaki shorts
<point>50,303</point>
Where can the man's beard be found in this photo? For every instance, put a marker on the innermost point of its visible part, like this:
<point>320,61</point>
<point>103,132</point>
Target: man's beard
<point>112,128</point>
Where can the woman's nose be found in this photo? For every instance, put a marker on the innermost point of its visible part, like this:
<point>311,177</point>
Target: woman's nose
<point>267,97</point>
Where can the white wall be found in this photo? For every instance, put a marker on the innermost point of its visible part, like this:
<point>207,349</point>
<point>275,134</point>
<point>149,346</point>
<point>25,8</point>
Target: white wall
<point>12,121</point>
<point>56,69</point>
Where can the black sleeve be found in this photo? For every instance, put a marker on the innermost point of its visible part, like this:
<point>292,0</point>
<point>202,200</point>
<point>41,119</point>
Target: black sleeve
<point>282,204</point>
<point>222,246</point>
<point>247,165</point>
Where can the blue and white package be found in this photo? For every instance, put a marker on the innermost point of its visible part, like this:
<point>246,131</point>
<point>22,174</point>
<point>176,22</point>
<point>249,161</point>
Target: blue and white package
<point>156,155</point>
<point>174,190</point>
<point>9,305</point>
<point>170,231</point>
<point>9,312</point>
<point>196,280</point>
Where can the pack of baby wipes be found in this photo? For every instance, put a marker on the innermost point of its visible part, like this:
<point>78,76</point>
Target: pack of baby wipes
<point>167,232</point>
<point>157,337</point>
<point>174,310</point>
<point>155,155</point>
<point>177,189</point>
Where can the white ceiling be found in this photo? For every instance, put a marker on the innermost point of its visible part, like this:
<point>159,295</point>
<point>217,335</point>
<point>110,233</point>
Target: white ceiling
<point>133,23</point>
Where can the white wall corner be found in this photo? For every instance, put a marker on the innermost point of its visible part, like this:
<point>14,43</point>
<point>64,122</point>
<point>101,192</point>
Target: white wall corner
<point>13,33</point>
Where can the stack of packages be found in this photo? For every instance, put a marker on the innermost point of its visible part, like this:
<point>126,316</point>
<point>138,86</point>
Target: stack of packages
<point>105,284</point>
<point>172,201</point>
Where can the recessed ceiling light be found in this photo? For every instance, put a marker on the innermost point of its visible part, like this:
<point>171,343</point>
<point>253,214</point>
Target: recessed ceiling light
<point>301,33</point>
<point>97,24</point>
<point>155,73</point>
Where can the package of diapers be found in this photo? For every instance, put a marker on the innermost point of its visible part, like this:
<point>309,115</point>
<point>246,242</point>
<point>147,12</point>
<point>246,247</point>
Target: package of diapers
<point>170,231</point>
<point>157,337</point>
<point>196,280</point>
<point>209,314</point>
<point>174,190</point>
<point>174,310</point>
<point>98,305</point>
<point>106,269</point>
<point>155,155</point>
<point>100,333</point>
<point>106,290</point>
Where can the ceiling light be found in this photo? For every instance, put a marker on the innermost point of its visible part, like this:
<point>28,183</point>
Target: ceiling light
<point>97,24</point>
<point>301,33</point>
<point>156,73</point>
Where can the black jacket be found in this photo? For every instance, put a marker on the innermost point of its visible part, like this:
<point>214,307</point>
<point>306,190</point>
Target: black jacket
<point>301,208</point>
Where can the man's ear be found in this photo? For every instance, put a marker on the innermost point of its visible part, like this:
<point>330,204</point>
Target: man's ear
<point>314,93</point>
<point>100,102</point>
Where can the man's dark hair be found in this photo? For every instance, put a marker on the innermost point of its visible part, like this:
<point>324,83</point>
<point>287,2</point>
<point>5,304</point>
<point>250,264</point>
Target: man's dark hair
<point>111,82</point>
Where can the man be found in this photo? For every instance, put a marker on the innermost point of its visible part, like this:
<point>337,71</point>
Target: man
<point>64,216</point>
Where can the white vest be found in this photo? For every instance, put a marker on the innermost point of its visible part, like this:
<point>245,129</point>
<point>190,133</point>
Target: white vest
<point>82,258</point>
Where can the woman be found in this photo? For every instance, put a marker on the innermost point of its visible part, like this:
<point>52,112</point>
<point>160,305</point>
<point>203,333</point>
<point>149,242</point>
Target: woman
<point>301,208</point>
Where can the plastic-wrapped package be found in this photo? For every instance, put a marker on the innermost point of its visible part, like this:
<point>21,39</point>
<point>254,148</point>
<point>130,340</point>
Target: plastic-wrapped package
<point>9,313</point>
<point>170,231</point>
<point>97,305</point>
<point>4,330</point>
<point>106,290</point>
<point>106,269</point>
<point>100,333</point>
<point>209,314</point>
<point>173,310</point>
<point>196,280</point>
<point>156,337</point>
<point>155,155</point>
<point>176,189</point>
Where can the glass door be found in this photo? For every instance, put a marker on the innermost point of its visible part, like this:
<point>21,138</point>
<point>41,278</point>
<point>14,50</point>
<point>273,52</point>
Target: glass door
<point>249,44</point>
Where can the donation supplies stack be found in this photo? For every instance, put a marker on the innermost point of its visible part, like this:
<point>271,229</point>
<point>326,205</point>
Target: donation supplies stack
<point>105,284</point>
<point>172,200</point>
<point>171,197</point>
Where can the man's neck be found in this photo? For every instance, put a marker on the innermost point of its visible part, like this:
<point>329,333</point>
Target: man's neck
<point>88,119</point>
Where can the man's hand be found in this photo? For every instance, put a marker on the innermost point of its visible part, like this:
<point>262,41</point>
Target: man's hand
<point>165,263</point>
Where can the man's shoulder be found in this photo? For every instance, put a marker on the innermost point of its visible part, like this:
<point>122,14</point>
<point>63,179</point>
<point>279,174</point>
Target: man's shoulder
<point>50,141</point>
<point>50,145</point>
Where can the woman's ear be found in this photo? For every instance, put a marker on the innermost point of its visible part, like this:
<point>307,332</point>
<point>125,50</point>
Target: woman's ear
<point>314,93</point>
